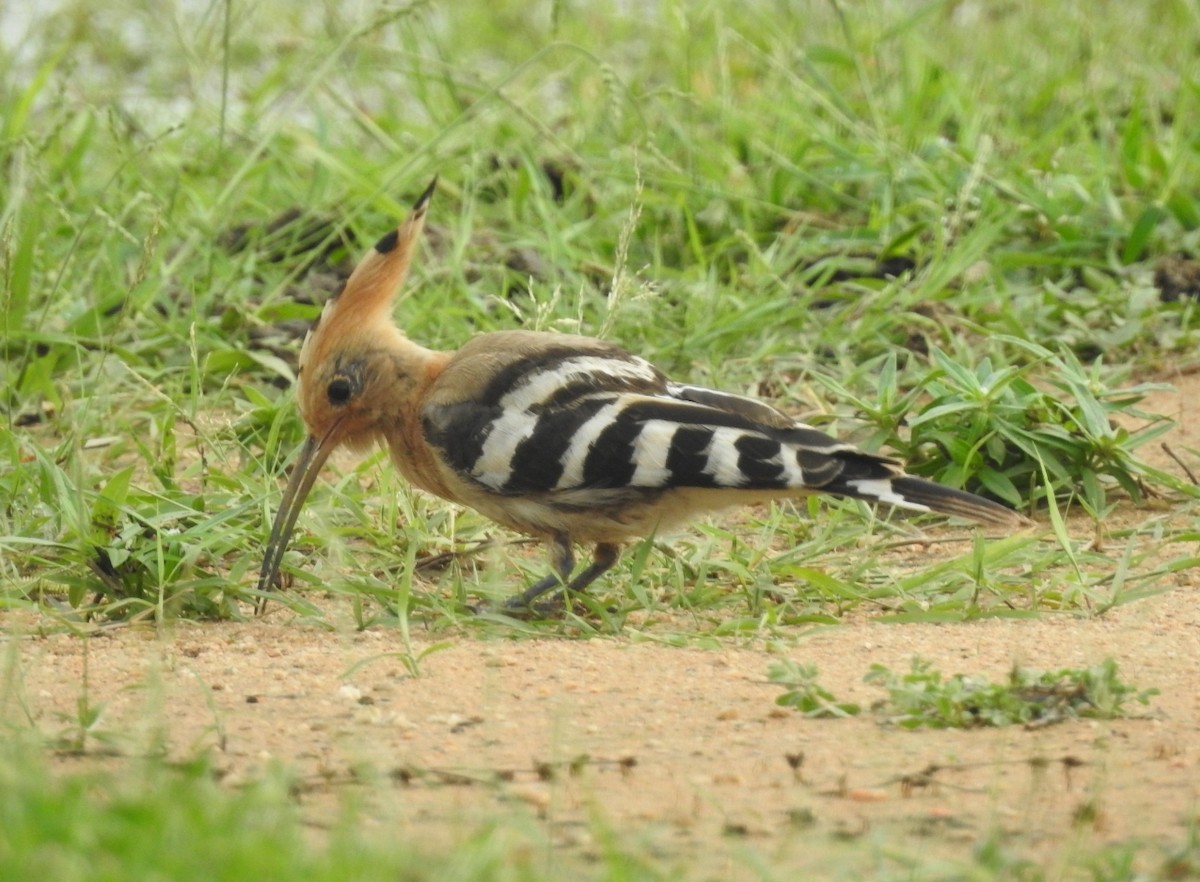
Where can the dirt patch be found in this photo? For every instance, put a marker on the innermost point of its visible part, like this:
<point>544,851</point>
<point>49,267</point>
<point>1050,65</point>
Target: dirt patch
<point>681,752</point>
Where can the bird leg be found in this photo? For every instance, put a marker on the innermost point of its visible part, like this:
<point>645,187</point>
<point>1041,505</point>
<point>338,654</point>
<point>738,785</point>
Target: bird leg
<point>604,556</point>
<point>563,559</point>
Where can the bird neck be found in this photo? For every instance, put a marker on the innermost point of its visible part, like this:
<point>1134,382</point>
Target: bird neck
<point>405,368</point>
<point>408,370</point>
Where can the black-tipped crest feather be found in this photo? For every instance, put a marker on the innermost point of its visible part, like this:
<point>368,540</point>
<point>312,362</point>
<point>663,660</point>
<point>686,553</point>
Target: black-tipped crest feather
<point>423,200</point>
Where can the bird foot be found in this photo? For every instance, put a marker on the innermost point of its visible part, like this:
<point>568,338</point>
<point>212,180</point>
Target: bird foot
<point>517,607</point>
<point>553,607</point>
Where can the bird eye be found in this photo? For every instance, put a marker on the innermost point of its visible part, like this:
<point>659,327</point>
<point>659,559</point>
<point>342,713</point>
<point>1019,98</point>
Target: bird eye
<point>339,390</point>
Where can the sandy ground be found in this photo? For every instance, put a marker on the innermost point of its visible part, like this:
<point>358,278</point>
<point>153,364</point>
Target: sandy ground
<point>680,752</point>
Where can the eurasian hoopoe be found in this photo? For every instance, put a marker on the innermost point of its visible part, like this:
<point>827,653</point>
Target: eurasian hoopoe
<point>566,438</point>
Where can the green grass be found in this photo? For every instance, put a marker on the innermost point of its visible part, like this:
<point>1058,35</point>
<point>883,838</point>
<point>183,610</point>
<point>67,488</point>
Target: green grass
<point>717,203</point>
<point>146,824</point>
<point>711,184</point>
<point>158,821</point>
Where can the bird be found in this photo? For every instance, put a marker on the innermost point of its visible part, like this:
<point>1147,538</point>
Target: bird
<point>569,439</point>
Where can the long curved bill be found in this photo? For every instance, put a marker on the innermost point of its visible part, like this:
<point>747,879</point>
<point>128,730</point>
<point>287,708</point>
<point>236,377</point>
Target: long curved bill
<point>308,465</point>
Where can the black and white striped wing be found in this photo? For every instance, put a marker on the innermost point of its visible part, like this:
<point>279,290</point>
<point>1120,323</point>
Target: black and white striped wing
<point>564,420</point>
<point>571,416</point>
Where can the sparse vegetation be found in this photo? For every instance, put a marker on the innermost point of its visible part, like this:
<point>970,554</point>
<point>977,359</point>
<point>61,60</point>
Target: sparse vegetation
<point>924,696</point>
<point>804,693</point>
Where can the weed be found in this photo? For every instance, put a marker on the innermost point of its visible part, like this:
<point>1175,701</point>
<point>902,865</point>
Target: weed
<point>991,429</point>
<point>924,697</point>
<point>803,692</point>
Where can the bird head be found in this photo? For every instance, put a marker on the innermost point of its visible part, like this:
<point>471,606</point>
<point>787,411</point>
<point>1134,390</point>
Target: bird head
<point>347,368</point>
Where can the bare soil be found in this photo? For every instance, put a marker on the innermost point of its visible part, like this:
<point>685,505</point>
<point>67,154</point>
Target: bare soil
<point>681,752</point>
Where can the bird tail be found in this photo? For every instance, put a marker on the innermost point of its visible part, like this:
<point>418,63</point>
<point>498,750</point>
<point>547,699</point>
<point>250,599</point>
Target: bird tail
<point>917,494</point>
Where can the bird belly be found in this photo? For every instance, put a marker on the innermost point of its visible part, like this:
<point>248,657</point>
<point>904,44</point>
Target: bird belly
<point>584,516</point>
<point>609,515</point>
